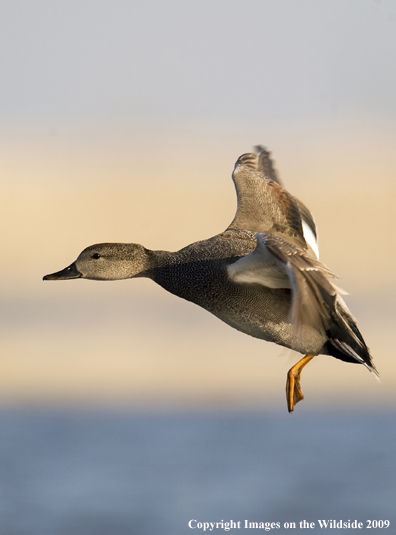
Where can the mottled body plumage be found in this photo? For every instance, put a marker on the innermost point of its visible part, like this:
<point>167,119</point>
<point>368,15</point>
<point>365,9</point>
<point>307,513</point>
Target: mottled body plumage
<point>198,273</point>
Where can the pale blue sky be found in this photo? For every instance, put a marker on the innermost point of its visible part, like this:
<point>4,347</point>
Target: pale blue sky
<point>69,62</point>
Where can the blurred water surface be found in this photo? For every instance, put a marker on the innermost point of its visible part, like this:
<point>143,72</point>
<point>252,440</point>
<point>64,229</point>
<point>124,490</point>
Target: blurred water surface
<point>92,472</point>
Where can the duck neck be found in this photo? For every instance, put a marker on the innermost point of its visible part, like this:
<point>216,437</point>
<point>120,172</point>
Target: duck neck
<point>154,261</point>
<point>161,259</point>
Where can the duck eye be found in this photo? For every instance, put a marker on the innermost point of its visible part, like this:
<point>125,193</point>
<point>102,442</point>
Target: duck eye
<point>96,256</point>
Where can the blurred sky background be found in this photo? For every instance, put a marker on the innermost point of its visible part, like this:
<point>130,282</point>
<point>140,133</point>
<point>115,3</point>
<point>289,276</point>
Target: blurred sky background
<point>121,122</point>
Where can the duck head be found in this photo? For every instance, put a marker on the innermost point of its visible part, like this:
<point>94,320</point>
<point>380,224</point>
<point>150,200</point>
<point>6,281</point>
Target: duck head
<point>107,261</point>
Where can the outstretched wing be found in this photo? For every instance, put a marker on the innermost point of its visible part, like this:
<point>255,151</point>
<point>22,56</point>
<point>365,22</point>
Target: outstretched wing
<point>286,256</point>
<point>263,204</point>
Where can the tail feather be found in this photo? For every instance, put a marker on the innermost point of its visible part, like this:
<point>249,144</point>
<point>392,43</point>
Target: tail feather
<point>345,340</point>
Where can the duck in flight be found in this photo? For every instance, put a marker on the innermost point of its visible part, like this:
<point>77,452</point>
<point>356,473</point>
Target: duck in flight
<point>262,275</point>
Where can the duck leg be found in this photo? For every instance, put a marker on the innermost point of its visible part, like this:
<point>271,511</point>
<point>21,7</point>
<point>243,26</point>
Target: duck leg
<point>293,389</point>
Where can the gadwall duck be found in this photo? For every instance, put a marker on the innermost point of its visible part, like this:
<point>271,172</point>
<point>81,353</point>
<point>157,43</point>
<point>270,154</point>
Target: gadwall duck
<point>261,276</point>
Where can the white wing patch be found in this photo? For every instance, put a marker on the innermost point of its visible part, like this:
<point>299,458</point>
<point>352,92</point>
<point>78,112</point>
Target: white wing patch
<point>310,238</point>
